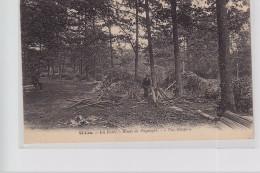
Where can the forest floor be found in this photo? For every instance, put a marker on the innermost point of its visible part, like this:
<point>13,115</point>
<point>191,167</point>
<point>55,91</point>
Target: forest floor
<point>48,109</point>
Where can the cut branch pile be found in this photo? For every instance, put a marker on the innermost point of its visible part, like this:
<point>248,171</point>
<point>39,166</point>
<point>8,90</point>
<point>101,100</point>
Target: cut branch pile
<point>120,85</point>
<point>90,120</point>
<point>194,84</point>
<point>163,95</point>
<point>88,102</point>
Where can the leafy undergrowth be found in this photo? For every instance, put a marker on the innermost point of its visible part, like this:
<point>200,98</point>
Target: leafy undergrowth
<point>49,109</point>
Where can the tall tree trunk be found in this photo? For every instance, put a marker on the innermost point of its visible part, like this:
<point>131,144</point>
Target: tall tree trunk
<point>136,41</point>
<point>150,47</point>
<point>85,41</point>
<point>87,71</point>
<point>188,54</point>
<point>227,96</point>
<point>63,64</point>
<point>80,68</point>
<point>48,70</point>
<point>79,43</point>
<point>111,47</point>
<point>80,49</point>
<point>95,58</point>
<point>179,88</point>
<point>39,60</point>
<point>53,70</point>
<point>237,70</point>
<point>95,67</point>
<point>101,66</point>
<point>74,65</point>
<point>60,64</point>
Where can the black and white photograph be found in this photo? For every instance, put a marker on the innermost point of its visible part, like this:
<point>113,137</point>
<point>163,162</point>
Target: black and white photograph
<point>136,70</point>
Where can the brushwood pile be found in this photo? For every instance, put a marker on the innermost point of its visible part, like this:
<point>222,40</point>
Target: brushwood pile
<point>120,85</point>
<point>210,89</point>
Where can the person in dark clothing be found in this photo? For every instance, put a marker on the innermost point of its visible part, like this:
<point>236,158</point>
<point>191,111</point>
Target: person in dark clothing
<point>35,80</point>
<point>146,85</point>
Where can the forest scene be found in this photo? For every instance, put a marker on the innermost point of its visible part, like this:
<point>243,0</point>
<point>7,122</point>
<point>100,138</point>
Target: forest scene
<point>148,63</point>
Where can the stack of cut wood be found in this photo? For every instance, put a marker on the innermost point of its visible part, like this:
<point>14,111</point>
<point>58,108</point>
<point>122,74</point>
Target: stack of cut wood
<point>244,121</point>
<point>229,119</point>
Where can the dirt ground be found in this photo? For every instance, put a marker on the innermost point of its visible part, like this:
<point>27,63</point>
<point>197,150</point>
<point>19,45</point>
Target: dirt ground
<point>48,109</point>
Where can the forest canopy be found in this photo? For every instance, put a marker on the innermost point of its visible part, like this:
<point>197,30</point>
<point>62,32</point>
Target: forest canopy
<point>89,38</point>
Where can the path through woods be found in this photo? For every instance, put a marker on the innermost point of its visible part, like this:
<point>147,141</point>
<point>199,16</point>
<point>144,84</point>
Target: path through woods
<point>59,107</point>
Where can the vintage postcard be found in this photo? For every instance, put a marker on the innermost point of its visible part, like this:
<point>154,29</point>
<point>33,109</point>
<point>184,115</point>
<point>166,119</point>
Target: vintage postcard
<point>136,70</point>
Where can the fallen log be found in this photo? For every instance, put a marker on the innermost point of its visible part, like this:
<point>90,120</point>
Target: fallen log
<point>141,102</point>
<point>91,104</point>
<point>223,120</point>
<point>137,96</point>
<point>207,116</point>
<point>251,119</point>
<point>238,119</point>
<point>76,101</point>
<point>159,96</point>
<point>28,86</point>
<point>101,106</point>
<point>232,123</point>
<point>220,124</point>
<point>101,96</point>
<point>170,85</point>
<point>79,102</point>
<point>177,108</point>
<point>92,83</point>
<point>165,95</point>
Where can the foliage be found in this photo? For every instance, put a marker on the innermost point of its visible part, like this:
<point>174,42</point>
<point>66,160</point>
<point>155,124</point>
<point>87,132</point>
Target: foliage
<point>243,94</point>
<point>77,34</point>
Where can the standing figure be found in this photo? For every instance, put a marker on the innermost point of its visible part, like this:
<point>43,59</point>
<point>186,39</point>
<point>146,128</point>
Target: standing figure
<point>36,80</point>
<point>146,85</point>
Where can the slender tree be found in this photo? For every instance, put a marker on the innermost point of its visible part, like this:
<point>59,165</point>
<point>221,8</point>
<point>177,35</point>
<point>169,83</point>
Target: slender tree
<point>149,37</point>
<point>111,46</point>
<point>227,96</point>
<point>137,33</point>
<point>179,88</point>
